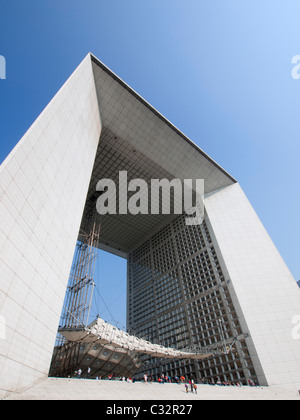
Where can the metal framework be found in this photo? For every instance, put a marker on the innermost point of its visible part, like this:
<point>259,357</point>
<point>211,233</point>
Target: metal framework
<point>81,284</point>
<point>78,299</point>
<point>76,332</point>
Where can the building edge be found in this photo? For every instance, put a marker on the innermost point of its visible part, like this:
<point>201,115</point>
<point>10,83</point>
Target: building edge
<point>265,292</point>
<point>44,182</point>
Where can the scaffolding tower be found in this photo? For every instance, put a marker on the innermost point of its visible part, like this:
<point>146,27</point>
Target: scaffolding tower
<point>79,295</point>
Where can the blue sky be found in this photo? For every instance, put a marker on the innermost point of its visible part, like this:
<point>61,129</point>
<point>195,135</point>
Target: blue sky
<point>220,70</point>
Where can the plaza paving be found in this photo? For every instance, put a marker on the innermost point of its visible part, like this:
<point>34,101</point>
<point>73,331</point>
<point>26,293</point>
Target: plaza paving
<point>84,389</point>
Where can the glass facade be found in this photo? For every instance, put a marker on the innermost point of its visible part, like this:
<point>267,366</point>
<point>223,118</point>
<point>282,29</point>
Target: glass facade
<point>178,296</point>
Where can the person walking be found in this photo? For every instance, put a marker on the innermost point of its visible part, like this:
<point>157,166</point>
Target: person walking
<point>192,385</point>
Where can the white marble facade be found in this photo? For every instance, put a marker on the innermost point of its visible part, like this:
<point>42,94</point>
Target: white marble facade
<point>266,295</point>
<point>43,187</point>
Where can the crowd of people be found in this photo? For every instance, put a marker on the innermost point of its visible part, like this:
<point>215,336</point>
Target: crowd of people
<point>206,381</point>
<point>189,384</point>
